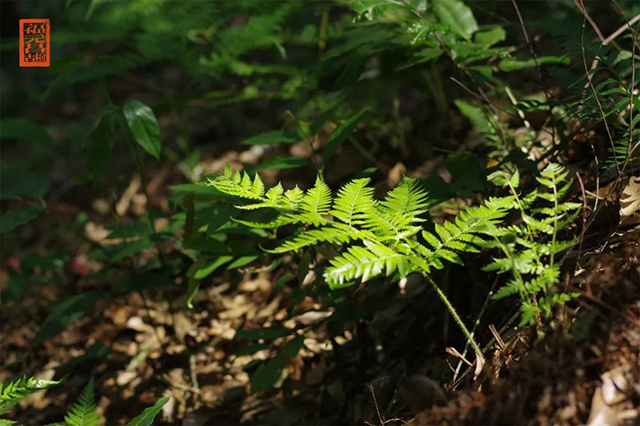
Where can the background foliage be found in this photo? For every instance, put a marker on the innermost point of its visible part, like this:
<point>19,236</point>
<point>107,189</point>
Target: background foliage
<point>473,118</point>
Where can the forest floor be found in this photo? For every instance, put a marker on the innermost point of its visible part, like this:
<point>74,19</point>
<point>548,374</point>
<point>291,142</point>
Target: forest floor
<point>144,346</point>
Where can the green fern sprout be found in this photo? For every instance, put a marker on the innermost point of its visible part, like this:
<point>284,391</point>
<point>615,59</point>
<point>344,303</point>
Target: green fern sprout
<point>14,392</point>
<point>84,413</point>
<point>533,263</point>
<point>377,237</point>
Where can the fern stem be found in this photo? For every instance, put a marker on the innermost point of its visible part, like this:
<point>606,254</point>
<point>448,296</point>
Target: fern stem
<point>456,317</point>
<point>555,228</point>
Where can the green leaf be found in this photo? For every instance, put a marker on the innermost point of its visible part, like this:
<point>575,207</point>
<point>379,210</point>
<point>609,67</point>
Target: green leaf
<point>341,134</point>
<point>147,416</point>
<point>267,374</point>
<point>508,65</point>
<point>292,347</point>
<point>280,163</point>
<point>15,218</point>
<point>475,114</point>
<point>468,175</point>
<point>252,349</point>
<point>277,137</point>
<point>370,9</point>
<point>16,183</point>
<point>64,313</point>
<point>146,281</point>
<point>241,261</point>
<point>457,16</point>
<point>14,392</point>
<point>144,126</point>
<point>99,145</point>
<point>22,129</point>
<point>490,37</point>
<point>267,333</point>
<point>205,271</point>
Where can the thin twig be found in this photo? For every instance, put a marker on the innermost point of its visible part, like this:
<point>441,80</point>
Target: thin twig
<point>595,94</point>
<point>590,20</point>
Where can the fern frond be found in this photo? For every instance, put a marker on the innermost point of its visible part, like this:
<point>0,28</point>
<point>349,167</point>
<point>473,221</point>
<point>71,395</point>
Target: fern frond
<point>84,413</point>
<point>406,201</point>
<point>396,217</point>
<point>14,392</point>
<point>353,202</point>
<point>467,231</point>
<point>316,203</point>
<point>365,263</point>
<point>239,185</point>
<point>337,233</point>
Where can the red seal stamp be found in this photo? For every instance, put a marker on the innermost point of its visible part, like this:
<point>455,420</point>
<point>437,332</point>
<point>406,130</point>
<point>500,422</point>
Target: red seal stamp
<point>34,43</point>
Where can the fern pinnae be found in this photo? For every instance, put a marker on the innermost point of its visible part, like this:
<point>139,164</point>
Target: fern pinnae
<point>364,263</point>
<point>332,234</point>
<point>316,203</point>
<point>353,202</point>
<point>14,392</point>
<point>84,413</point>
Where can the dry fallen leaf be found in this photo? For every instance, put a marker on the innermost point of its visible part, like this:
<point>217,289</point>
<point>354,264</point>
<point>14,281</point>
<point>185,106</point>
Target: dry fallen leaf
<point>630,201</point>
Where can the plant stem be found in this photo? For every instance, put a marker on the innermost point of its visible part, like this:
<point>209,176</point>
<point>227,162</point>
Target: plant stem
<point>456,317</point>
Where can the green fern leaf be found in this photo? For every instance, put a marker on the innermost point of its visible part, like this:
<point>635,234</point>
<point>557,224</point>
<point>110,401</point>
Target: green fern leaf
<point>364,263</point>
<point>14,392</point>
<point>239,185</point>
<point>397,216</point>
<point>316,203</point>
<point>83,413</point>
<point>336,234</point>
<point>353,202</point>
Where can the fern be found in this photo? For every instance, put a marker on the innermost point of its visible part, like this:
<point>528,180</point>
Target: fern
<point>14,392</point>
<point>377,237</point>
<point>529,259</point>
<point>83,413</point>
<point>382,235</point>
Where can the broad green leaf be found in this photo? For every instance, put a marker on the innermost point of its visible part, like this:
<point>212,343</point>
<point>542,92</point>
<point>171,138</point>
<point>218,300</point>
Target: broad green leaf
<point>457,16</point>
<point>252,349</point>
<point>15,218</point>
<point>280,163</point>
<point>205,271</point>
<point>16,183</point>
<point>293,346</point>
<point>94,353</point>
<point>144,126</point>
<point>150,413</point>
<point>508,65</point>
<point>468,175</point>
<point>276,137</point>
<point>490,37</point>
<point>284,279</point>
<point>370,9</point>
<point>147,281</point>
<point>341,134</point>
<point>99,145</point>
<point>64,313</point>
<point>23,129</point>
<point>267,374</point>
<point>241,261</point>
<point>267,333</point>
<point>475,114</point>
